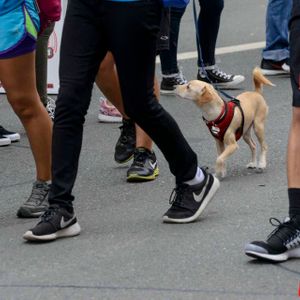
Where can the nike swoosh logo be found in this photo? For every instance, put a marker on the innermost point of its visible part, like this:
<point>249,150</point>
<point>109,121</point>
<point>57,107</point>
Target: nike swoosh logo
<point>199,197</point>
<point>153,165</point>
<point>64,223</point>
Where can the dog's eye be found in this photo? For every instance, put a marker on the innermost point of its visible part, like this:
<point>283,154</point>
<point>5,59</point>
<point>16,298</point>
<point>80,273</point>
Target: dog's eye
<point>188,86</point>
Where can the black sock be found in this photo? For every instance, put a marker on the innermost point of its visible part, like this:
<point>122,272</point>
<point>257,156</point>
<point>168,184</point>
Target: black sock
<point>294,199</point>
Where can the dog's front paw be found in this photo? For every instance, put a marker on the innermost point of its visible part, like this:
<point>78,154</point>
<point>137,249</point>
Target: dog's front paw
<point>251,165</point>
<point>220,174</point>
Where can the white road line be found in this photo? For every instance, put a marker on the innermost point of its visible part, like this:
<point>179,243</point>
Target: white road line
<point>222,50</point>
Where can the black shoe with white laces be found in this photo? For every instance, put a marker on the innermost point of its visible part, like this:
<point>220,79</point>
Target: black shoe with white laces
<point>169,83</point>
<point>189,201</point>
<point>126,143</point>
<point>55,223</point>
<point>219,78</point>
<point>283,242</point>
<point>144,166</point>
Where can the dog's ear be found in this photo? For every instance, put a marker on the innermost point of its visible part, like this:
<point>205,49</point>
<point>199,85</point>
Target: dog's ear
<point>206,95</point>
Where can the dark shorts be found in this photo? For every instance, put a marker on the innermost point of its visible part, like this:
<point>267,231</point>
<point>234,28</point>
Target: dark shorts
<point>295,52</point>
<point>26,46</point>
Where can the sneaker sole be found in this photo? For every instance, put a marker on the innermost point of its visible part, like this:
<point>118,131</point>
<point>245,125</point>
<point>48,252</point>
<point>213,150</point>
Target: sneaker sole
<point>215,186</point>
<point>231,84</point>
<point>26,213</point>
<point>66,232</point>
<point>274,72</point>
<point>124,161</point>
<point>109,119</point>
<point>138,178</point>
<point>167,92</point>
<point>294,253</point>
<point>5,142</point>
<point>13,137</point>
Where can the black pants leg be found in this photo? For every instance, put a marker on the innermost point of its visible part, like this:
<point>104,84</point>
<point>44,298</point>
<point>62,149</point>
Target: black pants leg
<point>295,52</point>
<point>129,31</point>
<point>168,57</point>
<point>135,61</point>
<point>208,25</point>
<point>83,47</point>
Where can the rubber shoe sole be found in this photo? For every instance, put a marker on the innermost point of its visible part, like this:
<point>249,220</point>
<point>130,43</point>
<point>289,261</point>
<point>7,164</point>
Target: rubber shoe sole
<point>66,232</point>
<point>215,186</point>
<point>257,252</point>
<point>24,212</point>
<point>138,178</point>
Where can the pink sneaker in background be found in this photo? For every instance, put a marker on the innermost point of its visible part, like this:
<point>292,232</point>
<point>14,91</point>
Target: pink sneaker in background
<point>108,113</point>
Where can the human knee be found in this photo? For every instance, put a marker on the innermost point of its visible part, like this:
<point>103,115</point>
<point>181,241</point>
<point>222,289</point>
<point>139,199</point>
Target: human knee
<point>23,105</point>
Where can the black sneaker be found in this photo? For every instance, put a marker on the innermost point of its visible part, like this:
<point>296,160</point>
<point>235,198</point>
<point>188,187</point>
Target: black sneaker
<point>144,166</point>
<point>273,67</point>
<point>37,203</point>
<point>219,78</point>
<point>283,242</point>
<point>188,201</point>
<point>169,82</point>
<point>126,143</point>
<point>55,223</point>
<point>13,136</point>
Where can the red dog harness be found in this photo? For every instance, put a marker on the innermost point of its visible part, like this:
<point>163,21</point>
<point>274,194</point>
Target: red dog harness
<point>219,126</point>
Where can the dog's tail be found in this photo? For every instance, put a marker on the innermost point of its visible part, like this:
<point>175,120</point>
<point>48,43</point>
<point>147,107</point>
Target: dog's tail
<point>260,80</point>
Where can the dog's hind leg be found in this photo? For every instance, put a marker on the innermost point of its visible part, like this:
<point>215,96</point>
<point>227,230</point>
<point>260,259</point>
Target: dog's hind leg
<point>250,142</point>
<point>259,129</point>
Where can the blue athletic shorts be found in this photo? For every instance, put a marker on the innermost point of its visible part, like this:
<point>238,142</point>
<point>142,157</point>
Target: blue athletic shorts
<point>18,29</point>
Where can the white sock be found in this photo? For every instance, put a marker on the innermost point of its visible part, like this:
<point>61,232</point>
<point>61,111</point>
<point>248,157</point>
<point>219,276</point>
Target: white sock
<point>199,177</point>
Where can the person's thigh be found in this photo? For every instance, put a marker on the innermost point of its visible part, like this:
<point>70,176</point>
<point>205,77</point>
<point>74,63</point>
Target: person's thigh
<point>17,76</point>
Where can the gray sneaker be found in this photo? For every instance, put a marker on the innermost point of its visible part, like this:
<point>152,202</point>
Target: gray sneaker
<point>37,203</point>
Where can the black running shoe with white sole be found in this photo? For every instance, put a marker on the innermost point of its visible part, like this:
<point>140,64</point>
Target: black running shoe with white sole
<point>144,166</point>
<point>189,201</point>
<point>283,242</point>
<point>55,223</point>
<point>219,78</point>
<point>37,203</point>
<point>273,67</point>
<point>125,146</point>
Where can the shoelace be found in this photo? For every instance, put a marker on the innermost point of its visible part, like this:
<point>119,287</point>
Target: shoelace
<point>126,130</point>
<point>180,79</point>
<point>220,73</point>
<point>286,236</point>
<point>140,158</point>
<point>38,194</point>
<point>177,195</point>
<point>51,107</point>
<point>48,214</point>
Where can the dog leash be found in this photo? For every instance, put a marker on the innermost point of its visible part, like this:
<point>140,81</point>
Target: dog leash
<point>199,51</point>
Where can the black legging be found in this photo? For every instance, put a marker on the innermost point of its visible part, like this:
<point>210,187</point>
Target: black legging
<point>128,30</point>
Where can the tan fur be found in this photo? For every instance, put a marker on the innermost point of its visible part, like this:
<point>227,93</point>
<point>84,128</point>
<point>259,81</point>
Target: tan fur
<point>255,112</point>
